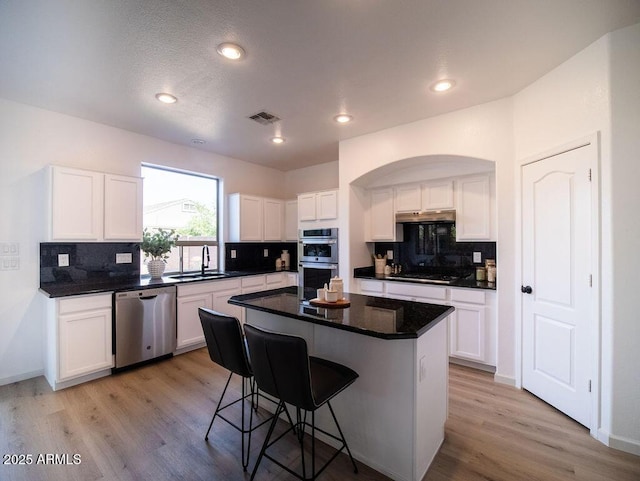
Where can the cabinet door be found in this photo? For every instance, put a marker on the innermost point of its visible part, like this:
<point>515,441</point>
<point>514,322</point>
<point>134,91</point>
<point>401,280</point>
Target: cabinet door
<point>122,208</point>
<point>467,332</point>
<point>437,194</point>
<point>291,221</point>
<point>306,207</point>
<point>276,281</point>
<point>327,205</point>
<point>189,328</point>
<point>251,218</point>
<point>273,222</point>
<point>382,220</point>
<point>221,303</point>
<point>473,214</point>
<point>76,204</point>
<point>84,343</point>
<point>408,198</point>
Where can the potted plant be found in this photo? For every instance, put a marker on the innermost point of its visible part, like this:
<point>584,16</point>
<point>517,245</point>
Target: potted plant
<point>157,245</point>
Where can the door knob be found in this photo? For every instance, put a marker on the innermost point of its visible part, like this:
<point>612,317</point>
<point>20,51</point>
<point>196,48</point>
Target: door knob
<point>526,289</point>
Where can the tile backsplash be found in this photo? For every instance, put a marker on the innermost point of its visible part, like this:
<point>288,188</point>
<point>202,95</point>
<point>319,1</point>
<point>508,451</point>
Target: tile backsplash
<point>249,256</point>
<point>88,262</point>
<point>433,247</point>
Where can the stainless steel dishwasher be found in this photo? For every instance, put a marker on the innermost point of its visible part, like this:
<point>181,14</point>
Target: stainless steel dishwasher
<point>144,325</point>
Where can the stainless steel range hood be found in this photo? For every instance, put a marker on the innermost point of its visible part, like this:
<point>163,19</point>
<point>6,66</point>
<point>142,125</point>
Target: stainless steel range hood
<point>426,217</point>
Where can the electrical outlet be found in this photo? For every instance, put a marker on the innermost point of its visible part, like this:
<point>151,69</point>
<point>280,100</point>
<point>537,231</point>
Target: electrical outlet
<point>124,258</point>
<point>233,253</point>
<point>63,260</point>
<point>266,253</point>
<point>477,257</point>
<point>390,255</point>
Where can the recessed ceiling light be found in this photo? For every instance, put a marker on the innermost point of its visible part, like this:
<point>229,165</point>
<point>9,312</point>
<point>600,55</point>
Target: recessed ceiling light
<point>167,98</point>
<point>198,141</point>
<point>343,118</point>
<point>230,51</point>
<point>443,85</point>
<point>277,139</point>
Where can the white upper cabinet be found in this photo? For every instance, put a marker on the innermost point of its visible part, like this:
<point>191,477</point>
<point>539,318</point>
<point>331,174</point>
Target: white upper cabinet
<point>77,198</point>
<point>382,217</point>
<point>255,219</point>
<point>318,206</point>
<point>245,218</point>
<point>437,194</point>
<point>473,209</point>
<point>273,220</point>
<point>307,207</point>
<point>93,206</point>
<point>408,198</point>
<point>291,220</point>
<point>327,205</point>
<point>122,207</point>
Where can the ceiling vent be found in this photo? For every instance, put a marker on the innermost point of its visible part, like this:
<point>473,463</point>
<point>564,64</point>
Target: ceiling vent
<point>264,118</point>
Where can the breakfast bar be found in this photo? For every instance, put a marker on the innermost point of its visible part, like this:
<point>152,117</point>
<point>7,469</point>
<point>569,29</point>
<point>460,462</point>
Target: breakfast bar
<point>393,416</point>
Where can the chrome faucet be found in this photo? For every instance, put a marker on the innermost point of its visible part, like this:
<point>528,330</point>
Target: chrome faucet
<point>205,248</point>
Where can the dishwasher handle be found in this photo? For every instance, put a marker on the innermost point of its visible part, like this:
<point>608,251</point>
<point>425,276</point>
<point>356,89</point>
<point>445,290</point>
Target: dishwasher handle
<point>148,297</point>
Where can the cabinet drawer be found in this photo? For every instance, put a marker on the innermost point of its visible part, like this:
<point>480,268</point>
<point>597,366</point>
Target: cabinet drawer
<point>254,284</point>
<point>371,286</point>
<point>275,279</point>
<point>472,296</point>
<point>416,290</point>
<point>84,303</point>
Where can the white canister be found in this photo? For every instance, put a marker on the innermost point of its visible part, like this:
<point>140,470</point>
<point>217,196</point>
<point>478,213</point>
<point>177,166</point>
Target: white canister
<point>285,259</point>
<point>380,263</point>
<point>336,284</point>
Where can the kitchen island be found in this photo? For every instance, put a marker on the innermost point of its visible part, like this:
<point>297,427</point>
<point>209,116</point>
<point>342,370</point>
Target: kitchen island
<point>393,416</point>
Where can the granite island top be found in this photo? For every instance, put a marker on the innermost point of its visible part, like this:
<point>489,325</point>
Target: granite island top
<point>371,316</point>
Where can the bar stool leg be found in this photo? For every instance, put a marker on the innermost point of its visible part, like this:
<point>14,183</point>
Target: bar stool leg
<point>206,436</point>
<point>355,468</point>
<point>279,409</point>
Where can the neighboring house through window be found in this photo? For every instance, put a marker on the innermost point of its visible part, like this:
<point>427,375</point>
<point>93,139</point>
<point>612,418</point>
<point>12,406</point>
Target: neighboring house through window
<point>188,203</point>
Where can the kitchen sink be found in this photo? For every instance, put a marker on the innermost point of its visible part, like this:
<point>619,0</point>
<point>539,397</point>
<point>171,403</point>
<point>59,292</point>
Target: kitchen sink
<point>206,275</point>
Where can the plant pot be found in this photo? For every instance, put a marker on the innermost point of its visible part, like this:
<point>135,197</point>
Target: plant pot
<point>156,268</point>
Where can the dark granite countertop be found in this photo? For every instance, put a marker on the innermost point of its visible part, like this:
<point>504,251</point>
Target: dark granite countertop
<point>470,282</point>
<point>367,315</point>
<point>66,289</point>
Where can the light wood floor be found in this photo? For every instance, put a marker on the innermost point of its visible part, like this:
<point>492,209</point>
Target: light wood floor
<point>149,423</point>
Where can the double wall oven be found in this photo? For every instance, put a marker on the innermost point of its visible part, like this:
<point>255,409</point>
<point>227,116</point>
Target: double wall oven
<point>317,257</point>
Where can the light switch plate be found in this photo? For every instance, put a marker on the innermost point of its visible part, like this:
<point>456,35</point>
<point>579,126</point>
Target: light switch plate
<point>124,258</point>
<point>266,253</point>
<point>390,255</point>
<point>63,260</point>
<point>233,253</point>
<point>477,257</point>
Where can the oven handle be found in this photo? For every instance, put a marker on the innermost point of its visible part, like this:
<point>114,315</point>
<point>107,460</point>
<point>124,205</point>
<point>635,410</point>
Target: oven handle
<point>318,241</point>
<point>317,265</point>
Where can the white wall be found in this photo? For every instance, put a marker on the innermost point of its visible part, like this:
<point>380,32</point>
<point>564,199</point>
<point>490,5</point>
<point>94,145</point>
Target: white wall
<point>625,220</point>
<point>32,138</point>
<point>484,132</point>
<point>311,179</point>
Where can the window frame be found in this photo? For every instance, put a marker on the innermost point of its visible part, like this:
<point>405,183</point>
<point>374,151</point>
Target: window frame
<point>196,243</point>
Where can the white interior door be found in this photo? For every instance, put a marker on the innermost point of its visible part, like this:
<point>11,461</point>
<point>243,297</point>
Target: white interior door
<point>556,235</point>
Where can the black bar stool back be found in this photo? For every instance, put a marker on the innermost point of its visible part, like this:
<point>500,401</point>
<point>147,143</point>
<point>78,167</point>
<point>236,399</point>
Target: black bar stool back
<point>283,368</point>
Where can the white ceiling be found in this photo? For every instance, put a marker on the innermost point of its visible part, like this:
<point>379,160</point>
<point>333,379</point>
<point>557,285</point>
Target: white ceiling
<point>307,60</point>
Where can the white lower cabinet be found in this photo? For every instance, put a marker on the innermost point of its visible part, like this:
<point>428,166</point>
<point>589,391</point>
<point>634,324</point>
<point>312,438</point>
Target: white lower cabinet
<point>292,278</point>
<point>276,281</point>
<point>79,342</point>
<point>472,326</point>
<point>210,295</point>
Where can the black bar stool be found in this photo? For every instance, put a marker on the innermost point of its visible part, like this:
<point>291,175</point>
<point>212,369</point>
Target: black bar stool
<point>226,345</point>
<point>283,369</point>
